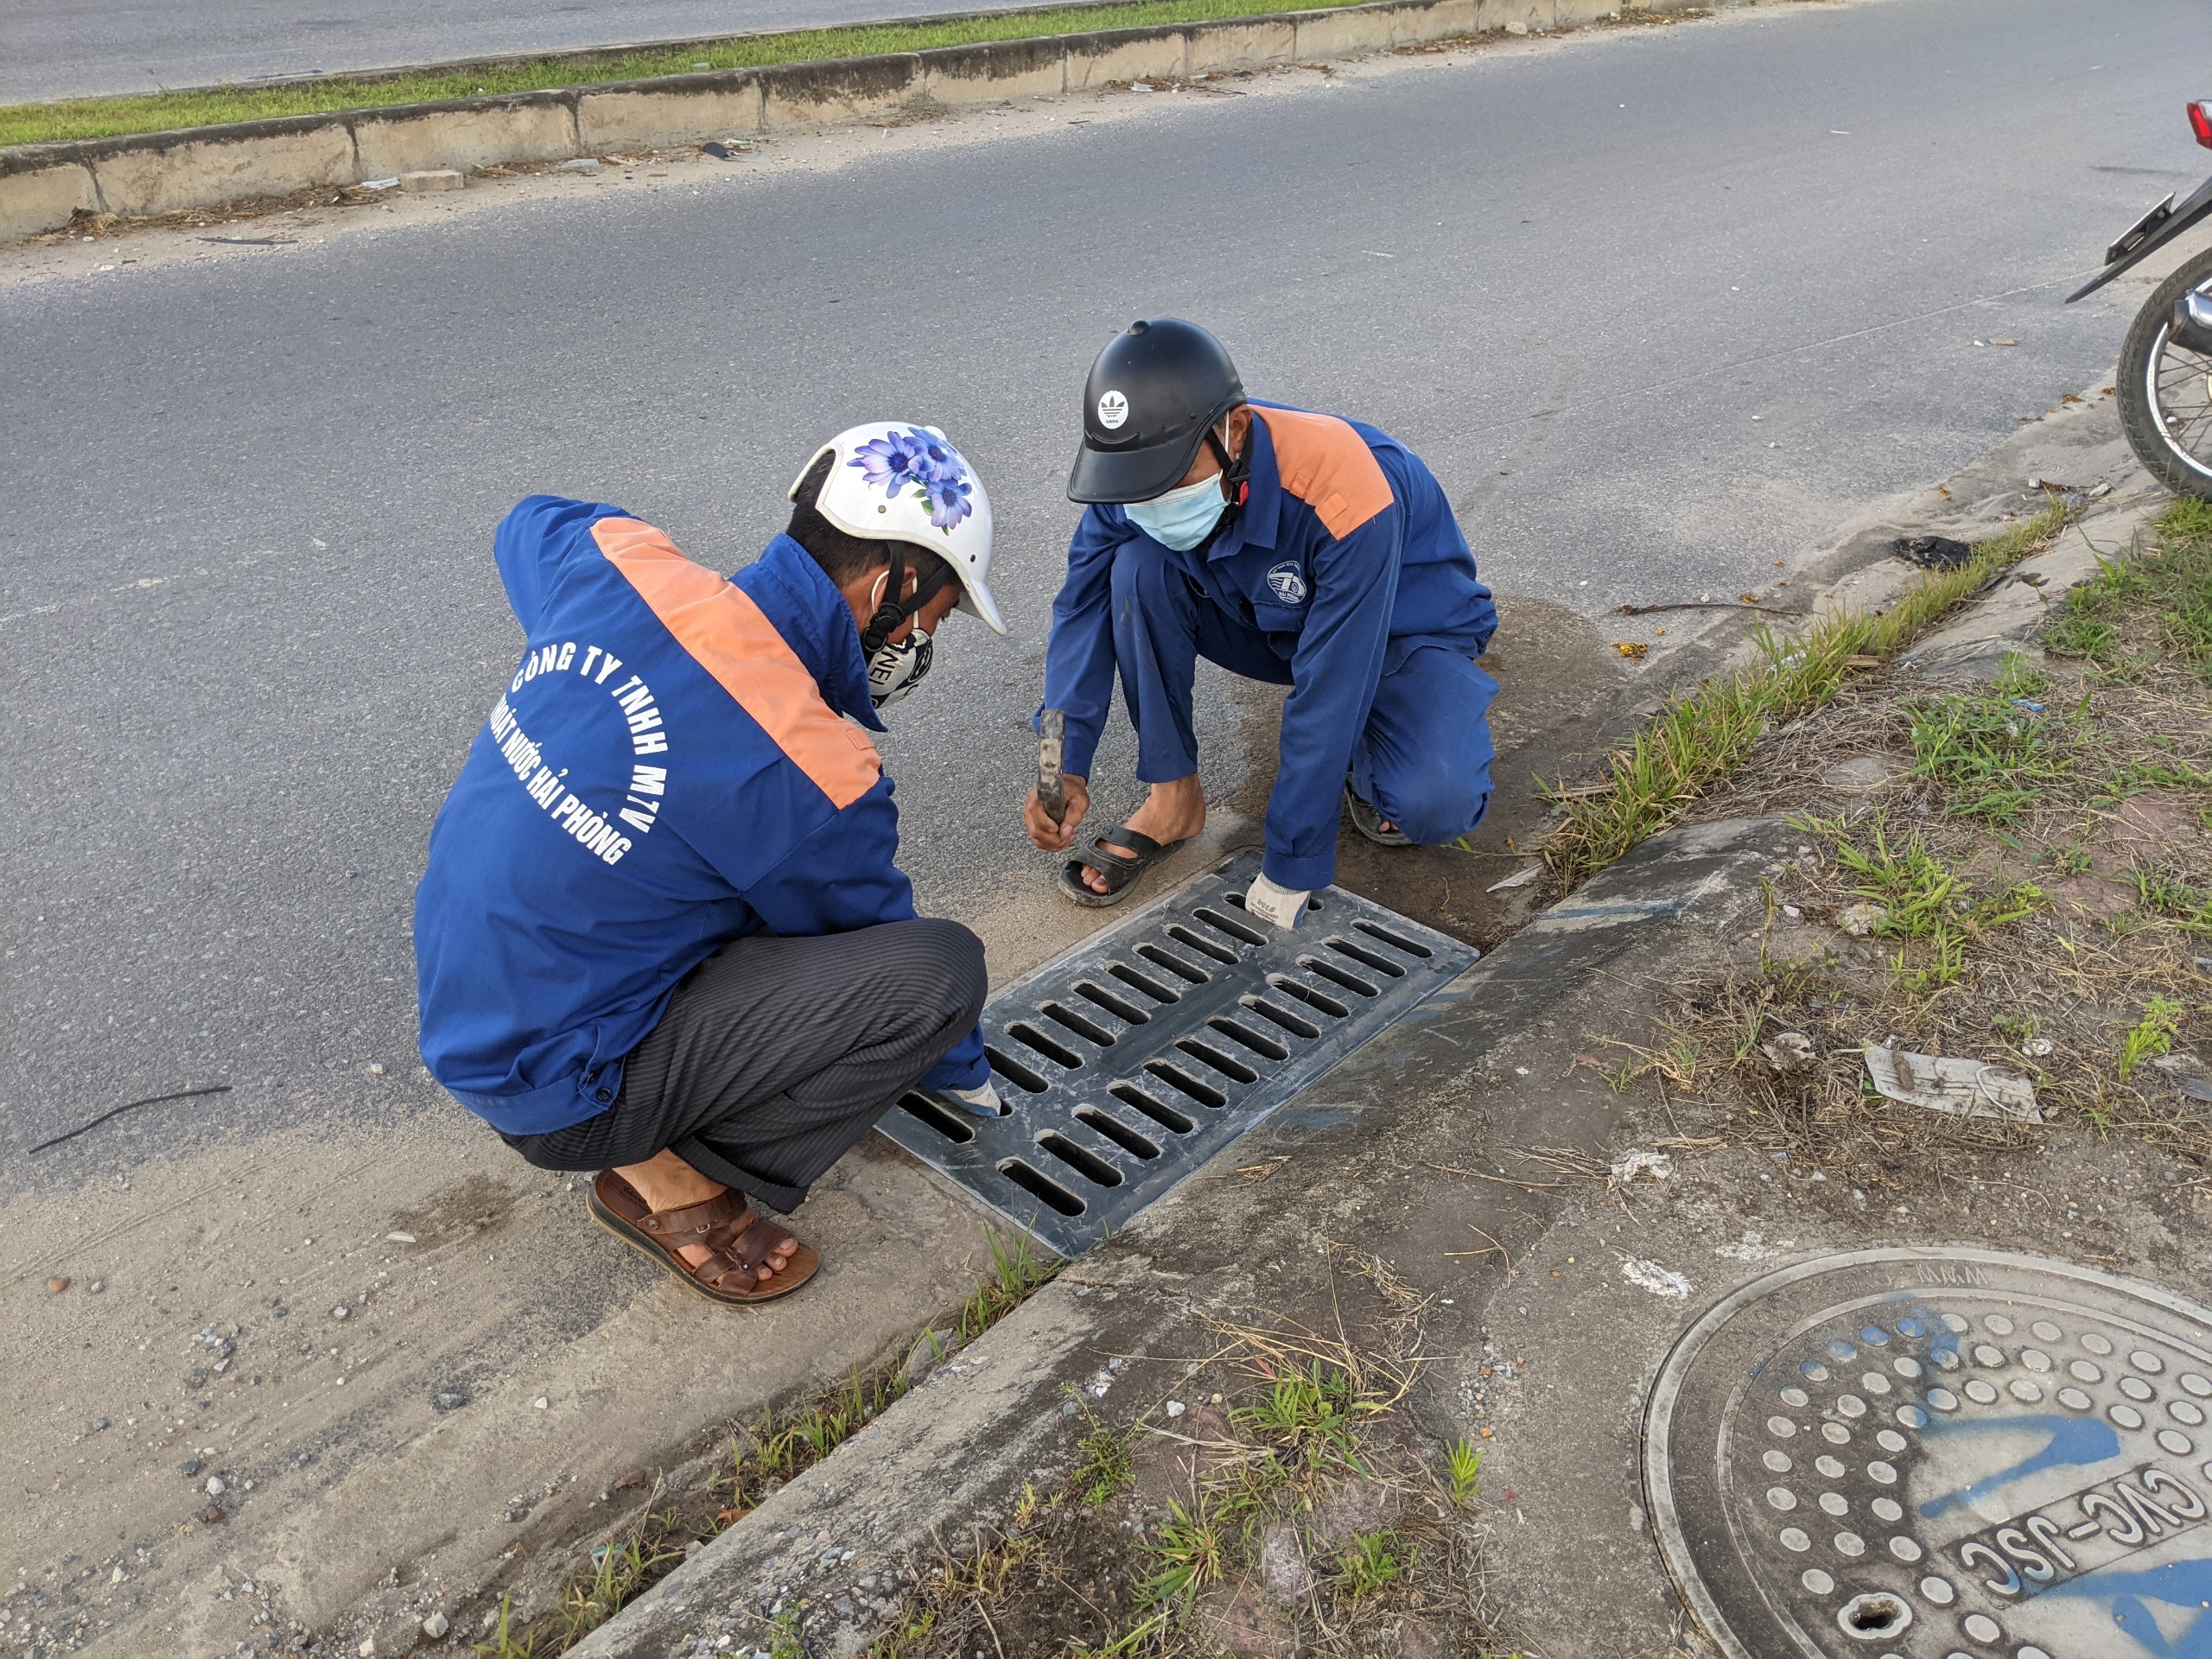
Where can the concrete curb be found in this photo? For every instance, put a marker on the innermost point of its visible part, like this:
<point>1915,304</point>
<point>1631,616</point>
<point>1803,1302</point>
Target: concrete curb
<point>42,185</point>
<point>949,1459</point>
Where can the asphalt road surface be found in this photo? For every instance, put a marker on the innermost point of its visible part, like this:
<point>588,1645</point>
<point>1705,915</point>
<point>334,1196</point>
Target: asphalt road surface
<point>1661,309</point>
<point>81,48</point>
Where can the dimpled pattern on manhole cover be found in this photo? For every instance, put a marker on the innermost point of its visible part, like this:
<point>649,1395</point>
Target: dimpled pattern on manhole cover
<point>1940,1454</point>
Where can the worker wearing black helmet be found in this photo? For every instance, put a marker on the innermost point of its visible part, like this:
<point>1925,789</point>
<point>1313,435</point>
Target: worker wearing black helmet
<point>1303,550</point>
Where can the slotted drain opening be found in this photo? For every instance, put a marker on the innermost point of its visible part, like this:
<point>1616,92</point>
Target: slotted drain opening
<point>1131,1061</point>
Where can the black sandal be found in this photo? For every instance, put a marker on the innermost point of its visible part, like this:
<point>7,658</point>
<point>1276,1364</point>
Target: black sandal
<point>1369,822</point>
<point>1120,872</point>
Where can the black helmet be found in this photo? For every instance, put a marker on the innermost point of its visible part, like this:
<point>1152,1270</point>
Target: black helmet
<point>1154,392</point>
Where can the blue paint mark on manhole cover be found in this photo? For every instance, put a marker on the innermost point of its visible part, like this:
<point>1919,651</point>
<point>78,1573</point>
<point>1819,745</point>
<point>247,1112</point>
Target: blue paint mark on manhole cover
<point>1940,1454</point>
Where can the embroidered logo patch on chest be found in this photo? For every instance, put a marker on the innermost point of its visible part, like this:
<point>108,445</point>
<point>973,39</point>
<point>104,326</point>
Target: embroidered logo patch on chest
<point>1287,583</point>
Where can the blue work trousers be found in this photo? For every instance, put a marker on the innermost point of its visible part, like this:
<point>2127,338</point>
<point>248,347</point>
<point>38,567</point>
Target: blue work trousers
<point>1423,753</point>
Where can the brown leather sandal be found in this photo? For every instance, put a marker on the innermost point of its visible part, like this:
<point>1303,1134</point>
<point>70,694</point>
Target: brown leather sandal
<point>739,1241</point>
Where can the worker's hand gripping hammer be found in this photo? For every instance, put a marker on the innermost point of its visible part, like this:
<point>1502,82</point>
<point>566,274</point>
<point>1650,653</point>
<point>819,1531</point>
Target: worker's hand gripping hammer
<point>1052,794</point>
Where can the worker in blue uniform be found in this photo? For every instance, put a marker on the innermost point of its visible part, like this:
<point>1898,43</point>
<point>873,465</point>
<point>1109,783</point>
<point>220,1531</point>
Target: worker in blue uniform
<point>1301,550</point>
<point>662,934</point>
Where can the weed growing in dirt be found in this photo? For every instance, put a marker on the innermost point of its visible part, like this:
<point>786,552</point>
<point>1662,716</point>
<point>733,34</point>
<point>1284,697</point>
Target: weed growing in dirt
<point>1311,1414</point>
<point>1016,1271</point>
<point>1188,1552</point>
<point>1697,740</point>
<point>1102,1470</point>
<point>504,1644</point>
<point>1463,1468</point>
<point>1918,895</point>
<point>1992,757</point>
<point>620,1571</point>
<point>2152,1036</point>
<point>1374,1560</point>
<point>2166,892</point>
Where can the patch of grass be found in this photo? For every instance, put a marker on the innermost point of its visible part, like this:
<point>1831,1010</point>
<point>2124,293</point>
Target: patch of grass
<point>504,1644</point>
<point>1016,1271</point>
<point>2076,628</point>
<point>1187,1550</point>
<point>1103,1470</point>
<point>2174,578</point>
<point>2165,893</point>
<point>2152,1036</point>
<point>1992,757</point>
<point>1919,893</point>
<point>100,117</point>
<point>1929,907</point>
<point>620,1571</point>
<point>1463,1468</point>
<point>1697,740</point>
<point>1372,1561</point>
<point>1166,1577</point>
<point>1311,1412</point>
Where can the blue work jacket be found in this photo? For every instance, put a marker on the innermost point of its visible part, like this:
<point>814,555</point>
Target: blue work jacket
<point>1345,555</point>
<point>666,771</point>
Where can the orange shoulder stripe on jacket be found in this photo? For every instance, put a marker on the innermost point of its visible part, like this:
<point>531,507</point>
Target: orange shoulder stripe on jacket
<point>1328,465</point>
<point>729,637</point>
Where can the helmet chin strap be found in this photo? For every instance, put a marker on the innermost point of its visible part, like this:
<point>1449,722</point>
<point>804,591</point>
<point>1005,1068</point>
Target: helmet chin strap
<point>889,613</point>
<point>1235,476</point>
<point>1235,470</point>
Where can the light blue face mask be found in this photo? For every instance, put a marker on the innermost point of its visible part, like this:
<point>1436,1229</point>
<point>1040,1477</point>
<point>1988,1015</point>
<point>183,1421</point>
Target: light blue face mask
<point>1182,518</point>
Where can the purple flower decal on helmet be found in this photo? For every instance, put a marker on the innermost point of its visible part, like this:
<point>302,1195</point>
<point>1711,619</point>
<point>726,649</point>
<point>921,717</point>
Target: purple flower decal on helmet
<point>948,499</point>
<point>923,462</point>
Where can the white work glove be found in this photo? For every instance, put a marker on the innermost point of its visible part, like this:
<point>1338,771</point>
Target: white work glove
<point>983,1099</point>
<point>1272,903</point>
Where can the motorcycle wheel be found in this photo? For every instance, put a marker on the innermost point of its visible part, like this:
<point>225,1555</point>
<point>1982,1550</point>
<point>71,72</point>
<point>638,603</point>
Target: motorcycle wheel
<point>2165,390</point>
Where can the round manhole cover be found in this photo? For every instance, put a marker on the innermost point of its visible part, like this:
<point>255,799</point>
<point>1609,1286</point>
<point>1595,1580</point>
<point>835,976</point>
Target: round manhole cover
<point>1940,1454</point>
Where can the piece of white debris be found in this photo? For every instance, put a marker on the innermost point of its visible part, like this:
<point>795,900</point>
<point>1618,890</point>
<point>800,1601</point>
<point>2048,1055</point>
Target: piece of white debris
<point>1176,1407</point>
<point>540,1402</point>
<point>1660,1282</point>
<point>1961,1086</point>
<point>1639,1167</point>
<point>1518,879</point>
<point>399,1238</point>
<point>1859,920</point>
<point>1790,1051</point>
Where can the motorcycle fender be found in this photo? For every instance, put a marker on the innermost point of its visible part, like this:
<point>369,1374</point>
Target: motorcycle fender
<point>2148,235</point>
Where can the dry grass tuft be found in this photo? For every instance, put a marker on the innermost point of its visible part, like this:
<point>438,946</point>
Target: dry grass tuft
<point>1694,744</point>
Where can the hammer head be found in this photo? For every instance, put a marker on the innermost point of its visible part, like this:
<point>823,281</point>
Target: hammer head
<point>1052,737</point>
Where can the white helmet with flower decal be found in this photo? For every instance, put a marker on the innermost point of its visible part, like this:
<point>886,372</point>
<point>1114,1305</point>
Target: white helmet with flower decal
<point>894,481</point>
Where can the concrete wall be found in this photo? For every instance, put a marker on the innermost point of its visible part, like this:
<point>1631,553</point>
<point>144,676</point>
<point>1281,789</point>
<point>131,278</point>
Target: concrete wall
<point>42,185</point>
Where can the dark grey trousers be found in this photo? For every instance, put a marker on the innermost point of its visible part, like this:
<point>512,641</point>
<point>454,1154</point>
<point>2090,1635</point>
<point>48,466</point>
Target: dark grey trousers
<point>776,1054</point>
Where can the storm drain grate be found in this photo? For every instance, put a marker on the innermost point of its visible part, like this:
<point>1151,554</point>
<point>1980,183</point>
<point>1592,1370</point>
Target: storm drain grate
<point>1132,1060</point>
